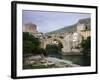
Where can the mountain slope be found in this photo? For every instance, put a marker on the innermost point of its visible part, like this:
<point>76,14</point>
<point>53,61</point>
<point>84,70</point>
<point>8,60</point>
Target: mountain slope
<point>72,28</point>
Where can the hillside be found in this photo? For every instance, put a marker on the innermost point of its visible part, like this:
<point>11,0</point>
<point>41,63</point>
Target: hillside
<point>72,28</point>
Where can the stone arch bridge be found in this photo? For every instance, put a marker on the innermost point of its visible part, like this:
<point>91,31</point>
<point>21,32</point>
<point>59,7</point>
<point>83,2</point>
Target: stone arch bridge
<point>53,40</point>
<point>67,42</point>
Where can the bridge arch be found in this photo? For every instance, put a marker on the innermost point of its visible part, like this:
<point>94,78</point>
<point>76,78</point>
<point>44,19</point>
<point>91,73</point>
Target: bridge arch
<point>52,39</point>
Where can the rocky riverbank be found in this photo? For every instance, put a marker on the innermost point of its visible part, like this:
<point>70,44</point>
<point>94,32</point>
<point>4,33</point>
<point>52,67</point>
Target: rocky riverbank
<point>34,62</point>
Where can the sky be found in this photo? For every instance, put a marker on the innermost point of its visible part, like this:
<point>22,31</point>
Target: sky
<point>50,21</point>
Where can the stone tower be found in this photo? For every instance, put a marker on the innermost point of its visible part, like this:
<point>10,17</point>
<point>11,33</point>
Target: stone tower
<point>30,27</point>
<point>82,30</point>
<point>81,27</point>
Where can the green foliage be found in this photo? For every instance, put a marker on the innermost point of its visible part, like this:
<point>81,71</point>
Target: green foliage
<point>31,38</point>
<point>86,45</point>
<point>60,46</point>
<point>41,51</point>
<point>30,43</point>
<point>52,48</point>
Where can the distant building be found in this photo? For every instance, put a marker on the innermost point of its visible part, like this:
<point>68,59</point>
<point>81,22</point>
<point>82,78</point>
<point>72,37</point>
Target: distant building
<point>85,34</point>
<point>83,30</point>
<point>81,27</point>
<point>76,38</point>
<point>30,27</point>
<point>39,35</point>
<point>68,42</point>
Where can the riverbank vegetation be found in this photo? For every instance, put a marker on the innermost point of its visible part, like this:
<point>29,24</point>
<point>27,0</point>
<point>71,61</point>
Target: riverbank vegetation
<point>31,47</point>
<point>86,45</point>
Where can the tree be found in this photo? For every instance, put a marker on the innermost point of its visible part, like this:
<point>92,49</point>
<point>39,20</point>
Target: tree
<point>30,43</point>
<point>42,52</point>
<point>60,46</point>
<point>86,45</point>
<point>53,50</point>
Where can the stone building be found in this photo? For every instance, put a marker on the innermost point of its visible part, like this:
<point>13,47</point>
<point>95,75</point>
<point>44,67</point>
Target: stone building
<point>81,27</point>
<point>30,27</point>
<point>85,34</point>
<point>68,42</point>
<point>83,30</point>
<point>76,39</point>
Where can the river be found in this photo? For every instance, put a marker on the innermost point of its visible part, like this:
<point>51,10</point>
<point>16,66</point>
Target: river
<point>76,59</point>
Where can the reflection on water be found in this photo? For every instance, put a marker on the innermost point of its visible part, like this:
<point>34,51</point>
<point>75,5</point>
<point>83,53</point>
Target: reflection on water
<point>56,55</point>
<point>77,59</point>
